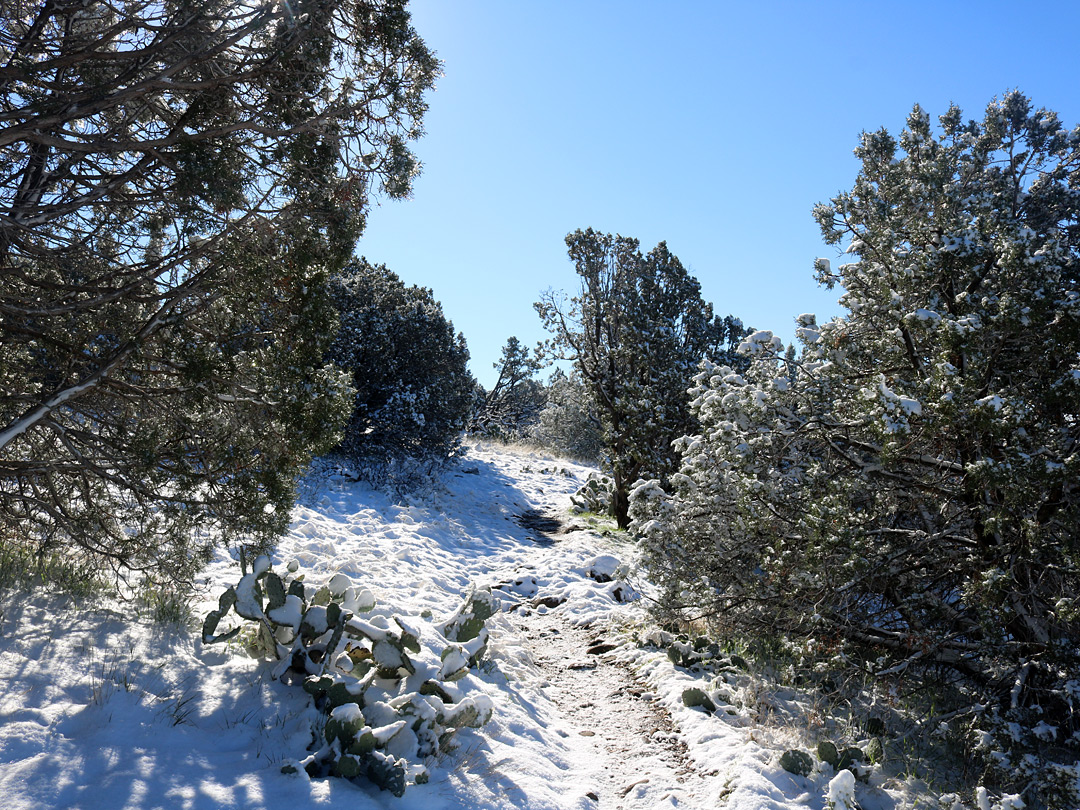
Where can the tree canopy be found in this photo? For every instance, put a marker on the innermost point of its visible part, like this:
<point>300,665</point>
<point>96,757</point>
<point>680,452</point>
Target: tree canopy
<point>409,369</point>
<point>515,399</point>
<point>904,494</point>
<point>636,332</point>
<point>176,181</point>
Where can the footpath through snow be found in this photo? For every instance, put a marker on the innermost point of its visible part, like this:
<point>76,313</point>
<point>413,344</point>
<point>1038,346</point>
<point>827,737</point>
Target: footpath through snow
<point>101,710</point>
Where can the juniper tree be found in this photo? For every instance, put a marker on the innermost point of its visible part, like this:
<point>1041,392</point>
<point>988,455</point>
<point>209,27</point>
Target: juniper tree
<point>176,181</point>
<point>568,422</point>
<point>635,331</point>
<point>516,398</point>
<point>905,492</point>
<point>413,391</point>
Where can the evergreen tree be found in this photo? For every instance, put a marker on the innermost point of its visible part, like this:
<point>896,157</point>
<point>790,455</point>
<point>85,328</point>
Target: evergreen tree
<point>636,332</point>
<point>568,422</point>
<point>176,181</point>
<point>905,492</point>
<point>514,401</point>
<point>413,391</point>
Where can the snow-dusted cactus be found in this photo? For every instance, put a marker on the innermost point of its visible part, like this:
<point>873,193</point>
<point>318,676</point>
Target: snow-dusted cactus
<point>840,795</point>
<point>594,495</point>
<point>318,638</point>
<point>468,620</point>
<point>797,762</point>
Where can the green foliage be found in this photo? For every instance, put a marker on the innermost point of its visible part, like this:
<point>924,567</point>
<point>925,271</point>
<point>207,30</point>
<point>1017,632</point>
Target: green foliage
<point>408,367</point>
<point>636,332</point>
<point>514,401</point>
<point>22,566</point>
<point>384,721</point>
<point>901,497</point>
<point>568,422</point>
<point>167,226</point>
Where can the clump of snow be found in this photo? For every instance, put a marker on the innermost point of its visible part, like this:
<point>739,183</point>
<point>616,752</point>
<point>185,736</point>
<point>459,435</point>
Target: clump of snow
<point>261,566</point>
<point>602,568</point>
<point>347,713</point>
<point>840,795</point>
<point>247,600</point>
<point>290,613</point>
<point>338,584</point>
<point>760,341</point>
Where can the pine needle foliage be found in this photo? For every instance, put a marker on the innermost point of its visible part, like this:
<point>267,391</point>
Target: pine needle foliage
<point>409,369</point>
<point>636,332</point>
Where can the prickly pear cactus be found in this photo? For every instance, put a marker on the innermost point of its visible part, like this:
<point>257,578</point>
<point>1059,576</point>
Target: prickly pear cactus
<point>594,495</point>
<point>329,640</point>
<point>468,621</point>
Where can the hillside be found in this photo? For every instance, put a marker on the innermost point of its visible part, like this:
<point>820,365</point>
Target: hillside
<point>101,708</point>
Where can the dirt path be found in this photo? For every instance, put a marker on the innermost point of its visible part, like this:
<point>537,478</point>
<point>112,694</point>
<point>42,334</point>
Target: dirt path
<point>625,739</point>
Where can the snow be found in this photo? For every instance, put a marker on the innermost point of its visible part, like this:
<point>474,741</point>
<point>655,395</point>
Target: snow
<point>290,613</point>
<point>338,584</point>
<point>841,791</point>
<point>104,709</point>
<point>347,713</point>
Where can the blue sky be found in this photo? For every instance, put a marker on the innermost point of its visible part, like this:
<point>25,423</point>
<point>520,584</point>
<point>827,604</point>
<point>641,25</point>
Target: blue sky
<point>714,126</point>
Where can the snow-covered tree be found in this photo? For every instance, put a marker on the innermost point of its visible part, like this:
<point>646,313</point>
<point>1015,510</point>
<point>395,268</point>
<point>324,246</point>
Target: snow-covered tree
<point>635,331</point>
<point>568,422</point>
<point>512,404</point>
<point>409,368</point>
<point>907,490</point>
<point>176,180</point>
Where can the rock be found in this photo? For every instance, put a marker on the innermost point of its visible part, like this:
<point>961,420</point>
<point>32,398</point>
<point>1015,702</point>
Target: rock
<point>600,649</point>
<point>548,601</point>
<point>797,762</point>
<point>602,568</point>
<point>696,697</point>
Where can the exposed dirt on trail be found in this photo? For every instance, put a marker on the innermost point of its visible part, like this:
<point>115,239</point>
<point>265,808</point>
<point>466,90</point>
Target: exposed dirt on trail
<point>625,740</point>
<point>540,525</point>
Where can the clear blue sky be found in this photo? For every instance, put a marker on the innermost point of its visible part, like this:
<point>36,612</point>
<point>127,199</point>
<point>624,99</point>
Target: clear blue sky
<point>714,126</point>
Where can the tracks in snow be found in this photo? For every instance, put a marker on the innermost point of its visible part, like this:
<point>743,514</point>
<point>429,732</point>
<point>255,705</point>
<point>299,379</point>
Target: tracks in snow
<point>629,754</point>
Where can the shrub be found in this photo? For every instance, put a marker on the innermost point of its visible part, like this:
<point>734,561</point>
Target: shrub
<point>568,423</point>
<point>413,389</point>
<point>904,494</point>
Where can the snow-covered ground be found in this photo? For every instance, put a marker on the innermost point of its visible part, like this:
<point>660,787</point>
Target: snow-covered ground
<point>101,710</point>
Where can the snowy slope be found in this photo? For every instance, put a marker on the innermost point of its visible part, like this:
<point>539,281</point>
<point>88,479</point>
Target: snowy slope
<point>98,710</point>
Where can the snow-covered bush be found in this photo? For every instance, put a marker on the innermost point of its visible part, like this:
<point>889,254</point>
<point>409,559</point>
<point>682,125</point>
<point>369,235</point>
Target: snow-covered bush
<point>386,715</point>
<point>903,496</point>
<point>568,423</point>
<point>414,393</point>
